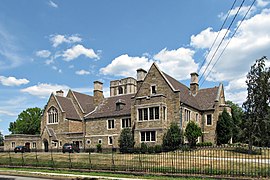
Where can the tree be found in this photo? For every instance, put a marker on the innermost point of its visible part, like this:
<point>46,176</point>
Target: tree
<point>28,122</point>
<point>173,138</point>
<point>237,122</point>
<point>256,106</point>
<point>126,140</point>
<point>192,132</point>
<point>224,128</point>
<point>1,139</point>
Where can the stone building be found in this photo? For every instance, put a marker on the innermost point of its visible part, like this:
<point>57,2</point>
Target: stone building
<point>147,105</point>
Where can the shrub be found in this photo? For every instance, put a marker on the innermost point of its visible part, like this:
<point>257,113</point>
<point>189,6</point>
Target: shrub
<point>99,148</point>
<point>173,138</point>
<point>143,148</point>
<point>151,149</point>
<point>224,128</point>
<point>158,148</point>
<point>192,132</point>
<point>202,144</point>
<point>126,141</point>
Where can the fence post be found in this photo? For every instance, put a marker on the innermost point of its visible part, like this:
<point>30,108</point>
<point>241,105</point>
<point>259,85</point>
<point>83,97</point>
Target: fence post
<point>89,158</point>
<point>70,163</point>
<point>113,165</point>
<point>22,159</point>
<point>36,158</point>
<point>140,160</point>
<point>52,159</point>
<point>10,160</point>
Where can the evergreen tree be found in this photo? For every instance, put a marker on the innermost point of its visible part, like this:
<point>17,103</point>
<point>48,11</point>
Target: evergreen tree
<point>173,138</point>
<point>126,140</point>
<point>256,106</point>
<point>28,122</point>
<point>192,132</point>
<point>224,128</point>
<point>1,139</point>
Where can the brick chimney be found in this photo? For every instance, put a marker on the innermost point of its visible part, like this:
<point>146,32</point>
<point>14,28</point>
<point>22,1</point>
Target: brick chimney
<point>194,83</point>
<point>60,93</point>
<point>141,73</point>
<point>98,92</point>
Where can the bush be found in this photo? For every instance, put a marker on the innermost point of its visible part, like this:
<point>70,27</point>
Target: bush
<point>202,144</point>
<point>158,148</point>
<point>126,141</point>
<point>143,148</point>
<point>192,132</point>
<point>99,148</point>
<point>136,150</point>
<point>151,149</point>
<point>173,138</point>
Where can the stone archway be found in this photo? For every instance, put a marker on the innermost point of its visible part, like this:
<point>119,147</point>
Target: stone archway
<point>46,145</point>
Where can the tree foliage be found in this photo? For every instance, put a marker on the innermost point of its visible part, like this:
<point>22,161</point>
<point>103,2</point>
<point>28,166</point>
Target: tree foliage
<point>192,132</point>
<point>126,140</point>
<point>237,121</point>
<point>256,106</point>
<point>28,122</point>
<point>173,138</point>
<point>1,139</point>
<point>224,128</point>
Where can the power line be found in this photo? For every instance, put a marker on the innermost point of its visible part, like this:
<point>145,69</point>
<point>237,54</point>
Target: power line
<point>229,40</point>
<point>229,12</point>
<point>222,39</point>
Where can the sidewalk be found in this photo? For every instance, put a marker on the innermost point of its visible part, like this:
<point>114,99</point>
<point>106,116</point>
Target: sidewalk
<point>60,175</point>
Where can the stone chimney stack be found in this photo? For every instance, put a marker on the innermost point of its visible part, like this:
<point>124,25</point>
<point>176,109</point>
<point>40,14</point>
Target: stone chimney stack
<point>141,73</point>
<point>98,92</point>
<point>60,93</point>
<point>194,83</point>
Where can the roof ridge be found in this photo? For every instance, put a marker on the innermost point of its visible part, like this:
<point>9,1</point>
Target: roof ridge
<point>81,93</point>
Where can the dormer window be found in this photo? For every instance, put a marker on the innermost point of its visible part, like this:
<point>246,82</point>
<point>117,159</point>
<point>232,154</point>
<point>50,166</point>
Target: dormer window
<point>119,105</point>
<point>52,115</point>
<point>153,89</point>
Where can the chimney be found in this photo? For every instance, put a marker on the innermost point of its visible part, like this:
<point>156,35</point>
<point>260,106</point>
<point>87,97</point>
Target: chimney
<point>60,93</point>
<point>98,92</point>
<point>141,73</point>
<point>194,83</point>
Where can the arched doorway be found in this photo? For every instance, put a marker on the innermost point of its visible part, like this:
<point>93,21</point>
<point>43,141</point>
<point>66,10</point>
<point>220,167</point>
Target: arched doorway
<point>46,145</point>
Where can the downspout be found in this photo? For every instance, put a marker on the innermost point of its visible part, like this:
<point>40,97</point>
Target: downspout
<point>181,116</point>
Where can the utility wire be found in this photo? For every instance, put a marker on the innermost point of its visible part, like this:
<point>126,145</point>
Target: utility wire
<point>214,42</point>
<point>222,39</point>
<point>229,40</point>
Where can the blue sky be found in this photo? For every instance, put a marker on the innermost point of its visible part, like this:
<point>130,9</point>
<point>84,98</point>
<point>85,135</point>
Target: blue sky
<point>48,45</point>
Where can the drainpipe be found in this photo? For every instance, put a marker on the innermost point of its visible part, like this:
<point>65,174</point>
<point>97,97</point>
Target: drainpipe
<point>181,116</point>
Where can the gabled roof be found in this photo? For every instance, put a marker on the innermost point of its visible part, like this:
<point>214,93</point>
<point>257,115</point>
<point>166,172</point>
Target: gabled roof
<point>204,100</point>
<point>68,107</point>
<point>85,101</point>
<point>108,107</point>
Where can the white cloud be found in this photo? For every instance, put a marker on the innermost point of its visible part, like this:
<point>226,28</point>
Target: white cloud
<point>71,66</point>
<point>52,4</point>
<point>57,69</point>
<point>179,63</point>
<point>78,50</point>
<point>243,10</point>
<point>237,97</point>
<point>125,65</point>
<point>8,113</point>
<point>262,3</point>
<point>43,90</point>
<point>12,81</point>
<point>82,72</point>
<point>59,39</point>
<point>43,53</point>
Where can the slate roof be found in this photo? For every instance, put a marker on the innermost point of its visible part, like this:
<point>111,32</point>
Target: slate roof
<point>204,100</point>
<point>85,101</point>
<point>67,106</point>
<point>52,133</point>
<point>108,107</point>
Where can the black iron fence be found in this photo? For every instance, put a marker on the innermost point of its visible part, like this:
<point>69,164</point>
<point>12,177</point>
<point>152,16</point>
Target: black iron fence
<point>222,161</point>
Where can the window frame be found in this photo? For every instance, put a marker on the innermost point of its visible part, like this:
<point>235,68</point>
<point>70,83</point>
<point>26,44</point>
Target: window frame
<point>52,115</point>
<point>155,89</point>
<point>207,120</point>
<point>150,136</point>
<point>110,138</point>
<point>109,125</point>
<point>144,113</point>
<point>125,123</point>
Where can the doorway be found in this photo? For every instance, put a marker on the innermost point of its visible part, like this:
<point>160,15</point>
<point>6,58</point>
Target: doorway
<point>46,145</point>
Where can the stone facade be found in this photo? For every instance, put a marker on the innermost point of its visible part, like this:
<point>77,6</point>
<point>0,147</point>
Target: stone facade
<point>147,105</point>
